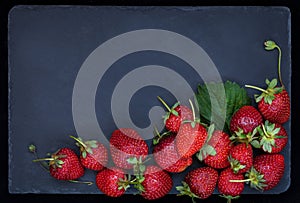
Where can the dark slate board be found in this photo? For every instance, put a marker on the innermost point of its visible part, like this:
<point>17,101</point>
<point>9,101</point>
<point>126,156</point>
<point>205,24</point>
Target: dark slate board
<point>48,45</point>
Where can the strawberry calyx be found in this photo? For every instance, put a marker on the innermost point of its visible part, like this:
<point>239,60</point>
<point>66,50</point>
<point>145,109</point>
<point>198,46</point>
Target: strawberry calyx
<point>229,197</point>
<point>54,161</point>
<point>185,190</point>
<point>235,165</point>
<point>170,110</point>
<point>138,170</point>
<point>249,138</point>
<point>85,147</point>
<point>125,183</point>
<point>254,178</point>
<point>159,136</point>
<point>207,149</point>
<point>269,94</point>
<point>268,134</point>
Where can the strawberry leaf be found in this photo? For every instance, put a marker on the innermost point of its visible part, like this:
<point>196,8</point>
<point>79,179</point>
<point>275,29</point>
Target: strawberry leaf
<point>83,154</point>
<point>211,151</point>
<point>132,160</point>
<point>236,97</point>
<point>255,144</point>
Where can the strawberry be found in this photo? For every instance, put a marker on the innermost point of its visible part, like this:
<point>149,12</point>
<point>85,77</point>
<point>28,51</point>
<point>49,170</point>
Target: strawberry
<point>273,137</point>
<point>151,181</point>
<point>230,190</point>
<point>274,102</point>
<point>267,171</point>
<point>216,150</point>
<point>175,115</point>
<point>93,155</point>
<point>112,181</point>
<point>245,120</point>
<point>126,143</point>
<point>190,137</point>
<point>156,184</point>
<point>167,157</point>
<point>64,165</point>
<point>199,183</point>
<point>241,158</point>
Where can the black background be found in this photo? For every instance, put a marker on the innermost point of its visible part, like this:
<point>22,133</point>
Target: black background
<point>290,196</point>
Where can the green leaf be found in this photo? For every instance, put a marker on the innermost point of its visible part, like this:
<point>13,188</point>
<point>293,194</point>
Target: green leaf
<point>199,156</point>
<point>210,150</point>
<point>174,112</point>
<point>89,150</point>
<point>255,144</point>
<point>155,141</point>
<point>60,162</point>
<point>142,168</point>
<point>83,154</point>
<point>132,160</point>
<point>273,83</point>
<point>235,98</point>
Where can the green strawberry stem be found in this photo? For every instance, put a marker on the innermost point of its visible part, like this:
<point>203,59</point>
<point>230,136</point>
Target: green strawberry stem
<point>265,131</point>
<point>81,182</point>
<point>43,159</point>
<point>79,141</point>
<point>257,88</point>
<point>271,45</point>
<point>164,103</point>
<point>241,181</point>
<point>193,110</point>
<point>159,136</point>
<point>43,164</point>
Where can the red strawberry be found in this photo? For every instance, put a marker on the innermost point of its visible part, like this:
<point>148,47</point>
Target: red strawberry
<point>64,165</point>
<point>151,181</point>
<point>276,110</point>
<point>199,183</point>
<point>167,157</point>
<point>190,139</point>
<point>216,150</point>
<point>230,190</point>
<point>112,181</point>
<point>241,158</point>
<point>267,171</point>
<point>246,119</point>
<point>191,136</point>
<point>93,155</point>
<point>156,184</point>
<point>273,137</point>
<point>274,102</point>
<point>126,143</point>
<point>175,115</point>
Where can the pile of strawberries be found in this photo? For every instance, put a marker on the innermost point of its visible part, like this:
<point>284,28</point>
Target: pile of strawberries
<point>229,159</point>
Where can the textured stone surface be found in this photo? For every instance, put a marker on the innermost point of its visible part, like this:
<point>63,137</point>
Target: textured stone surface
<point>48,44</point>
